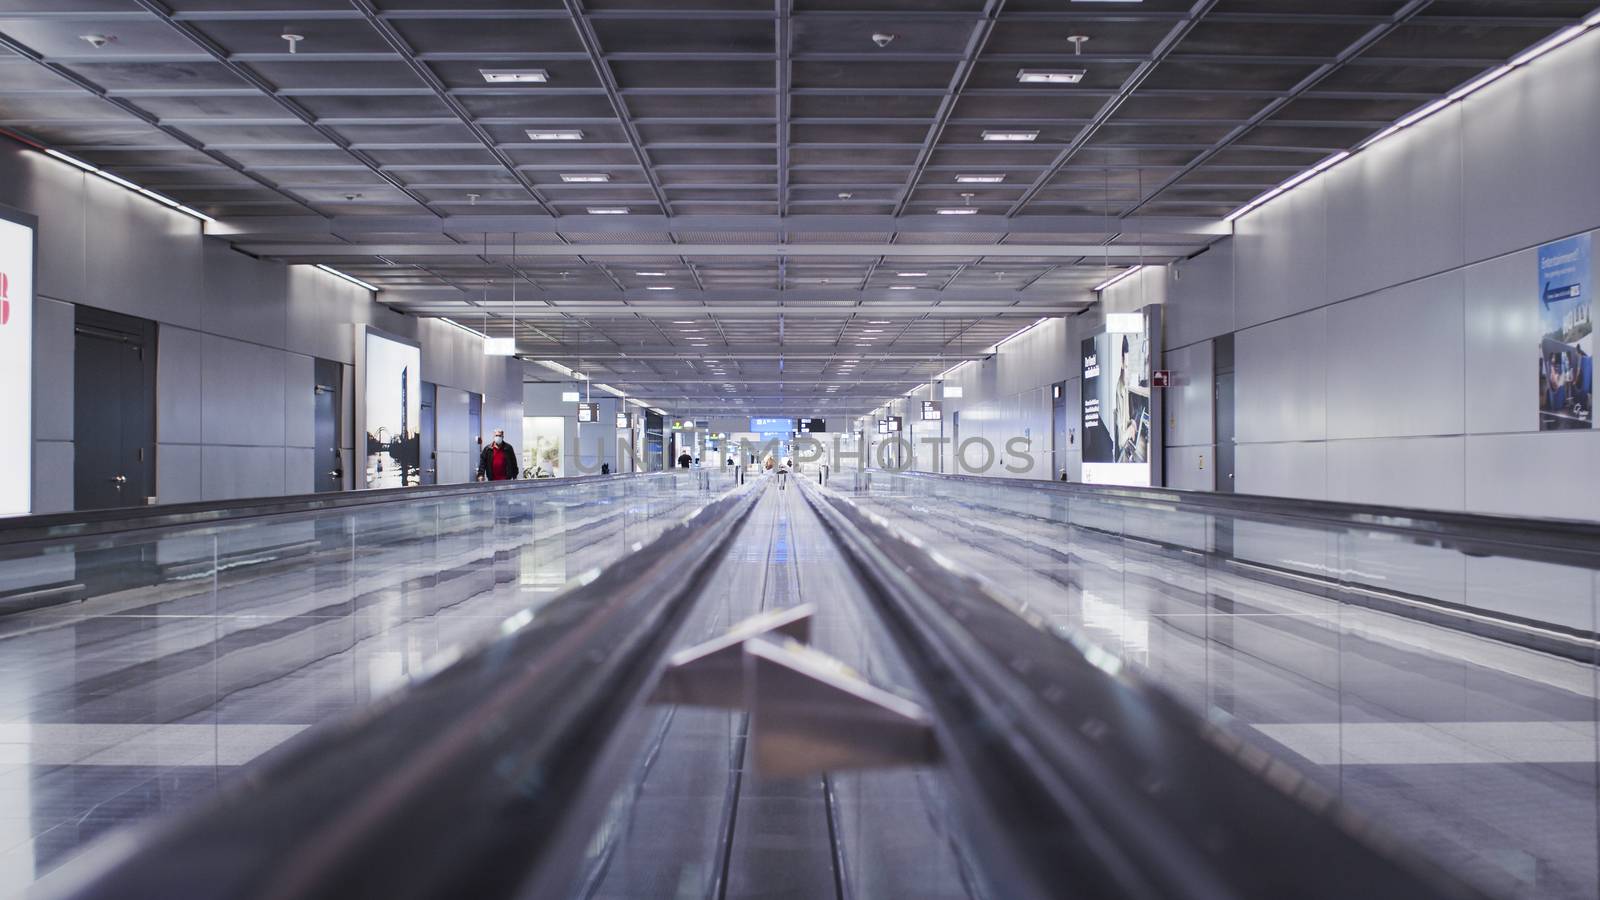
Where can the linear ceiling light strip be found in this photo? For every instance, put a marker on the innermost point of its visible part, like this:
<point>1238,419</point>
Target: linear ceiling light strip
<point>1428,110</point>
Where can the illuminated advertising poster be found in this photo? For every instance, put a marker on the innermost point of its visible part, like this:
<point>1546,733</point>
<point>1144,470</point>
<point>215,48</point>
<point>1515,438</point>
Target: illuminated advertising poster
<point>394,412</point>
<point>1116,407</point>
<point>1566,341</point>
<point>16,367</point>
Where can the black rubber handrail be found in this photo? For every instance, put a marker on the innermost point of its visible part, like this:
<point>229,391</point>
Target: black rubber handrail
<point>70,525</point>
<point>1566,541</point>
<point>484,779</point>
<point>1085,779</point>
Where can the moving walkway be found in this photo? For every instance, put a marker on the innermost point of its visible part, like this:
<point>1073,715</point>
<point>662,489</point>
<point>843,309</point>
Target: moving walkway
<point>905,685</point>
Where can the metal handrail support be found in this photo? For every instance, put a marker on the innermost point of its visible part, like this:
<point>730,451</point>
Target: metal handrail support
<point>1087,780</point>
<point>482,779</point>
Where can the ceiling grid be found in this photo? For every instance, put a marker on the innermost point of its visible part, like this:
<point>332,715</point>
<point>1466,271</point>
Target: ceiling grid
<point>770,205</point>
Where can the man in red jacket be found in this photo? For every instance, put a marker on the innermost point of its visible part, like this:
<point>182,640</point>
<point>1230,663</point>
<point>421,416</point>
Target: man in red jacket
<point>498,462</point>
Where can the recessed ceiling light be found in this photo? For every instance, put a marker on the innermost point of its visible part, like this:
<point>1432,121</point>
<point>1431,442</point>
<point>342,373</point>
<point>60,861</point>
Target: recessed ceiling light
<point>872,331</point>
<point>651,274</point>
<point>902,287</point>
<point>1010,135</point>
<point>565,134</point>
<point>659,287</point>
<point>1051,76</point>
<point>596,178</point>
<point>911,274</point>
<point>683,321</point>
<point>980,179</point>
<point>879,322</point>
<point>958,211</point>
<point>608,210</point>
<point>515,76</point>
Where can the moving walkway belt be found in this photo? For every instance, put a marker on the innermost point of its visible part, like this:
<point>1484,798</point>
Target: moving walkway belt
<point>1084,779</point>
<point>486,778</point>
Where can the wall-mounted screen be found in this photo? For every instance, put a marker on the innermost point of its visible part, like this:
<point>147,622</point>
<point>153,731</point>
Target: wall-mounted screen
<point>1117,410</point>
<point>811,426</point>
<point>394,412</point>
<point>16,367</point>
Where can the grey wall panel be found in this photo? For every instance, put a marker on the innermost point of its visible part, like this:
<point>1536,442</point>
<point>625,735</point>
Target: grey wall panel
<point>1282,470</point>
<point>1146,287</point>
<point>299,470</point>
<point>1200,297</point>
<point>1502,341</point>
<point>1529,140</point>
<point>1072,390</point>
<point>53,192</point>
<point>143,259</point>
<point>451,425</point>
<point>299,400</point>
<point>1421,472</point>
<point>243,394</point>
<point>178,478</point>
<point>1192,468</point>
<point>1394,211</point>
<point>245,298</point>
<point>1190,407</point>
<point>1394,361</point>
<point>52,476</point>
<point>1281,380</point>
<point>180,385</point>
<point>1280,256</point>
<point>324,312</point>
<point>227,473</point>
<point>458,467</point>
<point>54,355</point>
<point>1547,475</point>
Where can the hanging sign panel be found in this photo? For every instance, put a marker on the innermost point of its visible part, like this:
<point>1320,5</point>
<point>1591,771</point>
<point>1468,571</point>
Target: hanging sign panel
<point>16,364</point>
<point>1566,329</point>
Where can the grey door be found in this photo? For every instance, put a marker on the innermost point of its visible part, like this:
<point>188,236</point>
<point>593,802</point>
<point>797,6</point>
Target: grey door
<point>430,433</point>
<point>475,433</point>
<point>1225,432</point>
<point>1058,428</point>
<point>114,416</point>
<point>328,465</point>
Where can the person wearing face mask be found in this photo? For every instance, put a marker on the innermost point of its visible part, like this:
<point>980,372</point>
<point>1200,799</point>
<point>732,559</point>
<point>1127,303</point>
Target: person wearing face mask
<point>498,462</point>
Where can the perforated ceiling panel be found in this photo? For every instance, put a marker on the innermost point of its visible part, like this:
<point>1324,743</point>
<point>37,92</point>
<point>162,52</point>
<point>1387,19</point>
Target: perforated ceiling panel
<point>807,181</point>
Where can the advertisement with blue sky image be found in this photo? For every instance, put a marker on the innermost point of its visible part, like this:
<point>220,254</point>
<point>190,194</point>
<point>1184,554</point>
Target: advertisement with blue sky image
<point>1566,344</point>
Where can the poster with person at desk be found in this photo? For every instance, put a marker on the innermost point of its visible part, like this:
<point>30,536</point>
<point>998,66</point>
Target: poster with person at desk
<point>1116,407</point>
<point>1566,343</point>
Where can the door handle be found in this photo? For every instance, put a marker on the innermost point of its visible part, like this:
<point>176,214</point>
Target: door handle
<point>335,474</point>
<point>119,481</point>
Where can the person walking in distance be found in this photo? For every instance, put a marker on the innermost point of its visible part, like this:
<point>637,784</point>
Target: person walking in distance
<point>498,462</point>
